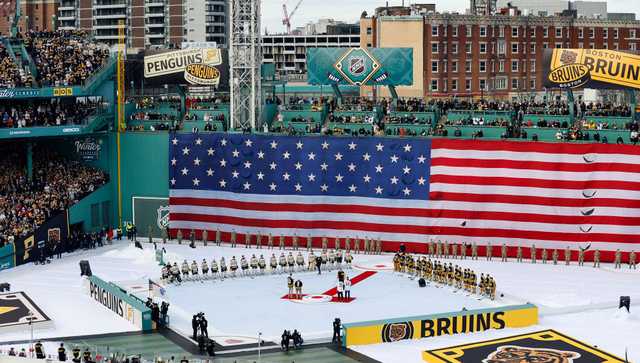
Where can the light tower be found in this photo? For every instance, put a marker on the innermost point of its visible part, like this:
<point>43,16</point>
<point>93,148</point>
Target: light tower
<point>245,56</point>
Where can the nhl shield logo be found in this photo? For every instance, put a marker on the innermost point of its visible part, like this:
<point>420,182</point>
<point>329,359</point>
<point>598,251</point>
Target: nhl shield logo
<point>397,331</point>
<point>356,65</point>
<point>162,219</point>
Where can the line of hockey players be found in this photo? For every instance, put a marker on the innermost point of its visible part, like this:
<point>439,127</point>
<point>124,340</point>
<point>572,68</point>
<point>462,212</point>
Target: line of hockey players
<point>254,266</point>
<point>453,250</point>
<point>445,274</point>
<point>357,245</point>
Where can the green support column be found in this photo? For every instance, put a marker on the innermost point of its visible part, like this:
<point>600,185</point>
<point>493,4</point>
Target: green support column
<point>572,109</point>
<point>29,161</point>
<point>632,103</point>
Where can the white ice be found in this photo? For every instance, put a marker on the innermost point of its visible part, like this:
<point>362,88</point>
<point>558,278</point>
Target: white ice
<point>578,301</point>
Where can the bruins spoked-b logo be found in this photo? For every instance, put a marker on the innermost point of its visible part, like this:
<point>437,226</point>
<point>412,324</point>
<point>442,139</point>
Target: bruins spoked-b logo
<point>397,331</point>
<point>517,354</point>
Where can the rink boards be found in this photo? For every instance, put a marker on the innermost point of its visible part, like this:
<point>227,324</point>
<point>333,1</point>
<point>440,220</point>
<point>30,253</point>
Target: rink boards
<point>451,323</point>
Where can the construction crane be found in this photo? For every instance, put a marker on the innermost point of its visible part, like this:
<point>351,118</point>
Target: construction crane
<point>286,20</point>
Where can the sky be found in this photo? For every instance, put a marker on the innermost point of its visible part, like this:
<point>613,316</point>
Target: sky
<point>350,10</point>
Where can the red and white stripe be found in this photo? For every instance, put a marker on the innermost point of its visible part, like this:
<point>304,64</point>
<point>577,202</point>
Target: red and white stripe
<point>545,194</point>
<point>517,193</point>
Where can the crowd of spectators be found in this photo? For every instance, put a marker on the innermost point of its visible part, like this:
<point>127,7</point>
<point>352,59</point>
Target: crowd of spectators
<point>57,183</point>
<point>605,109</point>
<point>54,112</point>
<point>64,57</point>
<point>11,75</point>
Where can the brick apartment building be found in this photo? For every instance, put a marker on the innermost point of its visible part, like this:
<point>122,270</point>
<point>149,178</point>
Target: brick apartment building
<point>497,55</point>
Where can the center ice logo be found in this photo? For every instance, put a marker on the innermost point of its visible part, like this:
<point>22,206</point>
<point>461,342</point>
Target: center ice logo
<point>517,354</point>
<point>162,219</point>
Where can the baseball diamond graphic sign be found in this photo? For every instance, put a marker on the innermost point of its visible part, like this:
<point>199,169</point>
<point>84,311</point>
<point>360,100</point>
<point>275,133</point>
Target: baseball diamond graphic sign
<point>360,66</point>
<point>16,308</point>
<point>542,346</point>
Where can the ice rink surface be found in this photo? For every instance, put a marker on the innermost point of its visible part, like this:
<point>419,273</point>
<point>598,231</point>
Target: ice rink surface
<point>578,301</point>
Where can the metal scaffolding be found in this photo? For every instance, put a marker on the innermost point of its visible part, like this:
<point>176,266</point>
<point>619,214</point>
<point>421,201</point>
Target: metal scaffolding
<point>246,58</point>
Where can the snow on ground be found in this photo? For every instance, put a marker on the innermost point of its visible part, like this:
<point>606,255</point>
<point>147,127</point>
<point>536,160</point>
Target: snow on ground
<point>578,301</point>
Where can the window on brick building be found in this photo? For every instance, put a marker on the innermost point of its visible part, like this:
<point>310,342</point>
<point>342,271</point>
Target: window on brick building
<point>467,48</point>
<point>501,83</point>
<point>605,33</point>
<point>468,30</point>
<point>501,32</point>
<point>454,31</point>
<point>434,47</point>
<point>545,32</point>
<point>454,85</point>
<point>558,32</point>
<point>434,30</point>
<point>454,48</point>
<point>454,66</point>
<point>483,84</point>
<point>615,33</point>
<point>514,83</point>
<point>434,66</point>
<point>483,48</point>
<point>514,31</point>
<point>532,83</point>
<point>501,66</point>
<point>482,66</point>
<point>467,66</point>
<point>591,33</point>
<point>514,48</point>
<point>434,85</point>
<point>483,31</point>
<point>467,84</point>
<point>514,66</point>
<point>580,33</point>
<point>533,48</point>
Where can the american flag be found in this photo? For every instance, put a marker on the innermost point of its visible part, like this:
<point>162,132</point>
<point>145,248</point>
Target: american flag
<point>405,190</point>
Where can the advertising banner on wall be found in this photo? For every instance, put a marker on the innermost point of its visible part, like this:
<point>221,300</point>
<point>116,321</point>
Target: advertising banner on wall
<point>192,66</point>
<point>88,148</point>
<point>360,66</point>
<point>28,248</point>
<point>591,68</point>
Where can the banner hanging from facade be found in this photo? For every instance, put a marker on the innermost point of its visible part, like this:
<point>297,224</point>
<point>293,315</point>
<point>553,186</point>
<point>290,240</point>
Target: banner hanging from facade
<point>591,68</point>
<point>193,66</point>
<point>54,230</point>
<point>360,66</point>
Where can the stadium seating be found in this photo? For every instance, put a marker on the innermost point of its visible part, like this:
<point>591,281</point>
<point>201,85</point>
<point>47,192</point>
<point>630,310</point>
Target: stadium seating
<point>58,183</point>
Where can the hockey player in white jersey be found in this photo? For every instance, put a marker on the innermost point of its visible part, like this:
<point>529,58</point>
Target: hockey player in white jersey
<point>300,261</point>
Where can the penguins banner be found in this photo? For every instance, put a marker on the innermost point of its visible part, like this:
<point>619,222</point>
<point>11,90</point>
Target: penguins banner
<point>591,68</point>
<point>193,66</point>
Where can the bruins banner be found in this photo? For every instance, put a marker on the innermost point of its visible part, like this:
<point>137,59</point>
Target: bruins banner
<point>542,346</point>
<point>419,327</point>
<point>591,68</point>
<point>28,248</point>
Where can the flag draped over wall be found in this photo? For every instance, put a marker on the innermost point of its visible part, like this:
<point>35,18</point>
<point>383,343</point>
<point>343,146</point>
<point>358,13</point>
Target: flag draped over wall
<point>408,190</point>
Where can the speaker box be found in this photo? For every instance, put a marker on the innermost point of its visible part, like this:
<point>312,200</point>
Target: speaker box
<point>85,268</point>
<point>625,302</point>
<point>422,283</point>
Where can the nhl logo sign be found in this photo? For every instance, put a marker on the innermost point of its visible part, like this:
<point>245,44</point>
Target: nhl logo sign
<point>357,65</point>
<point>162,219</point>
<point>397,331</point>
